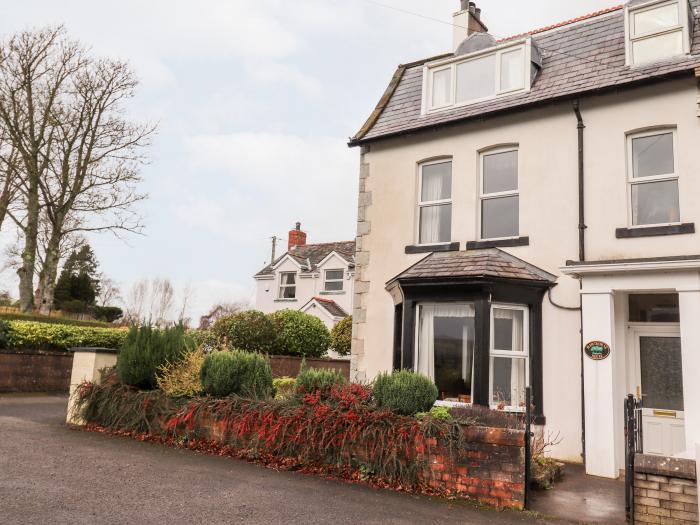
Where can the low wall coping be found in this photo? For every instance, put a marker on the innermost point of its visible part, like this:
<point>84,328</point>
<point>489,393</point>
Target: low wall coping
<point>14,351</point>
<point>495,436</point>
<point>665,466</point>
<point>95,350</point>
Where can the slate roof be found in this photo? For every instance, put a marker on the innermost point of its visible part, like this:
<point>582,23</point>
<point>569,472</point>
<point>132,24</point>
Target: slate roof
<point>492,262</point>
<point>314,254</point>
<point>580,56</point>
<point>330,306</point>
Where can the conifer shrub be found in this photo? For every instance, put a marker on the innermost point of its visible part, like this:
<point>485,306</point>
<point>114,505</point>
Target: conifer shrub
<point>341,336</point>
<point>246,374</point>
<point>405,392</point>
<point>300,334</point>
<point>250,330</point>
<point>318,379</point>
<point>285,387</point>
<point>182,379</point>
<point>146,350</point>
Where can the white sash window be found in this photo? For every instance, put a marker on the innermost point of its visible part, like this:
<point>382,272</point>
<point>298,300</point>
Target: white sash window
<point>435,202</point>
<point>509,369</point>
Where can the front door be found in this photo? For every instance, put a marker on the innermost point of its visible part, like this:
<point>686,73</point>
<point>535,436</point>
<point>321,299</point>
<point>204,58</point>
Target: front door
<point>659,382</point>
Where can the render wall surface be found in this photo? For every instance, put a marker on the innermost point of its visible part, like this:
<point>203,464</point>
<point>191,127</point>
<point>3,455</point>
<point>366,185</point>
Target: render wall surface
<point>547,144</point>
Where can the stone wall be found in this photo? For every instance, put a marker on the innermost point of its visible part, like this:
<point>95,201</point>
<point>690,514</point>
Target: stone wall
<point>362,284</point>
<point>35,372</point>
<point>665,490</point>
<point>289,366</point>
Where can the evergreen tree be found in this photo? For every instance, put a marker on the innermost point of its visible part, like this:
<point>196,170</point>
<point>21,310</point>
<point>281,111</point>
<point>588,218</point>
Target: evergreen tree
<point>79,282</point>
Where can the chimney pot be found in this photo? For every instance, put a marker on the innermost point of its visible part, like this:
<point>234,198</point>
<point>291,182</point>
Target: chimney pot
<point>464,5</point>
<point>296,237</point>
<point>466,22</point>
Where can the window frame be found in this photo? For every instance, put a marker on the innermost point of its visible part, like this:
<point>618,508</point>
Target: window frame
<point>630,32</point>
<point>326,280</point>
<point>439,202</point>
<point>500,194</point>
<point>416,348</point>
<point>523,355</point>
<point>525,46</point>
<point>281,287</point>
<point>631,181</point>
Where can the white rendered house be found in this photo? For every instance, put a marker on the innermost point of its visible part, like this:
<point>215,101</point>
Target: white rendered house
<point>314,278</point>
<point>527,217</point>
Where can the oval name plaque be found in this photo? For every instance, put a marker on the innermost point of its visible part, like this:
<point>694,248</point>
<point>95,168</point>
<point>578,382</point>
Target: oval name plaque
<point>597,350</point>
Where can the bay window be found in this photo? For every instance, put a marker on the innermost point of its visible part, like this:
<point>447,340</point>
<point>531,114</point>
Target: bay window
<point>499,195</point>
<point>653,178</point>
<point>657,31</point>
<point>435,202</point>
<point>445,350</point>
<point>509,366</point>
<point>288,286</point>
<point>333,281</point>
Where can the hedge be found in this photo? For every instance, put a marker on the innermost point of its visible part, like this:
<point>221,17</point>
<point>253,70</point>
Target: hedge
<point>31,335</point>
<point>18,316</point>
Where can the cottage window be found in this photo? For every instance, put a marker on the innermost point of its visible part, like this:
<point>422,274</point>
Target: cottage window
<point>657,31</point>
<point>479,76</point>
<point>446,348</point>
<point>653,178</point>
<point>435,202</point>
<point>333,281</point>
<point>509,370</point>
<point>500,199</point>
<point>288,286</point>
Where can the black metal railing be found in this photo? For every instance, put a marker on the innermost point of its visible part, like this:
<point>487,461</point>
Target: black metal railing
<point>633,445</point>
<point>528,442</point>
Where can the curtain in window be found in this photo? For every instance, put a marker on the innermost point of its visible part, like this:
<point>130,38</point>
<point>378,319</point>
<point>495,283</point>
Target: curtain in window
<point>515,319</point>
<point>508,373</point>
<point>426,338</point>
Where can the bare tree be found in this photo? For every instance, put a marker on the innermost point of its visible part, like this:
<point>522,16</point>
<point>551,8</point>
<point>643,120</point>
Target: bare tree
<point>9,175</point>
<point>187,295</point>
<point>34,69</point>
<point>135,305</point>
<point>109,293</point>
<point>221,310</point>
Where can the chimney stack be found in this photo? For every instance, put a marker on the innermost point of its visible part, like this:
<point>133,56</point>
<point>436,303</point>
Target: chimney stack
<point>296,237</point>
<point>465,22</point>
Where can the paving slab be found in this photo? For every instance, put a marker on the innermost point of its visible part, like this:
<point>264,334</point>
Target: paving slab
<point>50,474</point>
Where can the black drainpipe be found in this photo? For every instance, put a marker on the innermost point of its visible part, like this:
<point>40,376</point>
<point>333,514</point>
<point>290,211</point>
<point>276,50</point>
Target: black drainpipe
<point>580,126</point>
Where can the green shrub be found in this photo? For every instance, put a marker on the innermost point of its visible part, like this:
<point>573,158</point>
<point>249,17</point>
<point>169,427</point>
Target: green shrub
<point>301,334</point>
<point>4,333</point>
<point>313,379</point>
<point>108,314</point>
<point>203,338</point>
<point>30,335</point>
<point>284,387</point>
<point>246,374</point>
<point>19,316</point>
<point>341,336</point>
<point>405,392</point>
<point>146,350</point>
<point>250,330</point>
<point>442,413</point>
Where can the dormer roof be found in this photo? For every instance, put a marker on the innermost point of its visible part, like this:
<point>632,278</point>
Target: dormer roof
<point>309,256</point>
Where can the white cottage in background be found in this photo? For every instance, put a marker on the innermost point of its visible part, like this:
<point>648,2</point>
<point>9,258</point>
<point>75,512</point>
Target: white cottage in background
<point>527,217</point>
<point>314,278</point>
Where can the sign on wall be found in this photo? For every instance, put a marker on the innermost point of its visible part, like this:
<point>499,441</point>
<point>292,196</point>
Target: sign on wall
<point>597,350</point>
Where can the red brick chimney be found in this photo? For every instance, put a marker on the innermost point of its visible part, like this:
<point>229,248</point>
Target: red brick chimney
<point>296,237</point>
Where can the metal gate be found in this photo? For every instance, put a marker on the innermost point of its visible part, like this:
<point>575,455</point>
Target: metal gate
<point>633,445</point>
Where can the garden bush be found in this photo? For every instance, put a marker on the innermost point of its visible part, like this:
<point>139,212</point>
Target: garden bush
<point>19,316</point>
<point>405,392</point>
<point>203,338</point>
<point>321,379</point>
<point>4,333</point>
<point>341,336</point>
<point>31,335</point>
<point>237,372</point>
<point>146,350</point>
<point>284,387</point>
<point>182,379</point>
<point>300,334</point>
<point>251,330</point>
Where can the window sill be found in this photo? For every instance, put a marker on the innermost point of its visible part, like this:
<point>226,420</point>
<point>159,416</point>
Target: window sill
<point>498,243</point>
<point>429,248</point>
<point>655,231</point>
<point>339,292</point>
<point>285,300</point>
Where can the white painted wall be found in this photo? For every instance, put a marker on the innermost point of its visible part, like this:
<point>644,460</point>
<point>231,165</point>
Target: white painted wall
<point>547,142</point>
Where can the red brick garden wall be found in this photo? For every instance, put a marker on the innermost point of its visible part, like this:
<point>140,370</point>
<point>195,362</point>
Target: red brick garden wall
<point>35,372</point>
<point>490,466</point>
<point>289,366</point>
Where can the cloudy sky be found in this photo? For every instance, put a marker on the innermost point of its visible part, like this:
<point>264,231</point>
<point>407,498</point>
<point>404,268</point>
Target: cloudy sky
<point>255,100</point>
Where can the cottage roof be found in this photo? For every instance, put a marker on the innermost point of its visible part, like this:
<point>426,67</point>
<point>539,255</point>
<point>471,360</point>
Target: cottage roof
<point>581,56</point>
<point>310,255</point>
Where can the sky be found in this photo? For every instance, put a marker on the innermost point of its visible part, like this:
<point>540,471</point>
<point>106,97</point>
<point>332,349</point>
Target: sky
<point>255,101</point>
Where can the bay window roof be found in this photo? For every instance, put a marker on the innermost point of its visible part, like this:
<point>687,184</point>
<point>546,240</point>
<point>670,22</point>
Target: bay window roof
<point>582,56</point>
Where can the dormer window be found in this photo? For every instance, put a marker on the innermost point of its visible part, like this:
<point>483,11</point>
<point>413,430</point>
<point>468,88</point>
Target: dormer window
<point>657,30</point>
<point>288,285</point>
<point>482,75</point>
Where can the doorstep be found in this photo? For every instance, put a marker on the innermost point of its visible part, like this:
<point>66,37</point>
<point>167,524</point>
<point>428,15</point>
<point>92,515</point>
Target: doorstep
<point>582,498</point>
